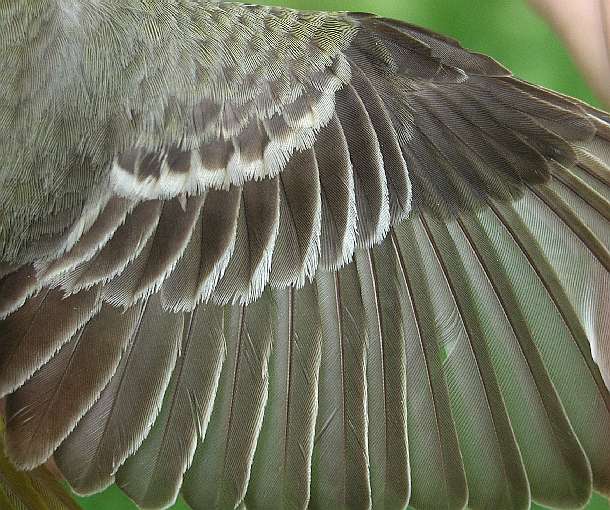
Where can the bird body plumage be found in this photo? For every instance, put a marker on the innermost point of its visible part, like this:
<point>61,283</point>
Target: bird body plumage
<point>266,258</point>
<point>212,71</point>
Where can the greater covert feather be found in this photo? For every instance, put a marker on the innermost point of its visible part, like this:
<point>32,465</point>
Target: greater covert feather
<point>272,259</point>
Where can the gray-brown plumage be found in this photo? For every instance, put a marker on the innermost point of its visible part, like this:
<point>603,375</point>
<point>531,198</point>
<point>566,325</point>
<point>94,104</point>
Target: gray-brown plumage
<point>272,259</point>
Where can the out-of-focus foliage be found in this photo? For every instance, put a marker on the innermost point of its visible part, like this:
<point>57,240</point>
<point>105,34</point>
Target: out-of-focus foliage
<point>508,30</point>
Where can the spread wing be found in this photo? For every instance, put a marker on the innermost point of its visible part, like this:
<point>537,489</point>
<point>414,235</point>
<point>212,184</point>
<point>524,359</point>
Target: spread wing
<point>410,305</point>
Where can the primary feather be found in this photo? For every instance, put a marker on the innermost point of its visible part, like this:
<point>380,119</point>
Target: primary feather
<point>274,259</point>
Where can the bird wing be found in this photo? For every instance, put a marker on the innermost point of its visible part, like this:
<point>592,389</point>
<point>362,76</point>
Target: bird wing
<point>414,308</point>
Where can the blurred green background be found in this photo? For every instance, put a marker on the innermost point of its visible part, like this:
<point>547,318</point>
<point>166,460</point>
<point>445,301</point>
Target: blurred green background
<point>505,29</point>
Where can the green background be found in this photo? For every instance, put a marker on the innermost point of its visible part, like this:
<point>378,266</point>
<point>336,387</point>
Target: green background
<point>505,29</point>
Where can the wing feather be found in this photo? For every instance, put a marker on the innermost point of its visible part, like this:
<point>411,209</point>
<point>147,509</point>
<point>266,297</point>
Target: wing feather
<point>126,244</point>
<point>297,251</point>
<point>208,253</point>
<point>386,375</point>
<point>32,335</point>
<point>122,416</point>
<point>340,476</point>
<point>219,475</point>
<point>42,412</point>
<point>558,470</point>
<point>437,471</point>
<point>394,165</point>
<point>338,234</point>
<point>490,452</point>
<point>371,190</point>
<point>144,274</point>
<point>248,271</point>
<point>565,318</point>
<point>153,476</point>
<point>281,473</point>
